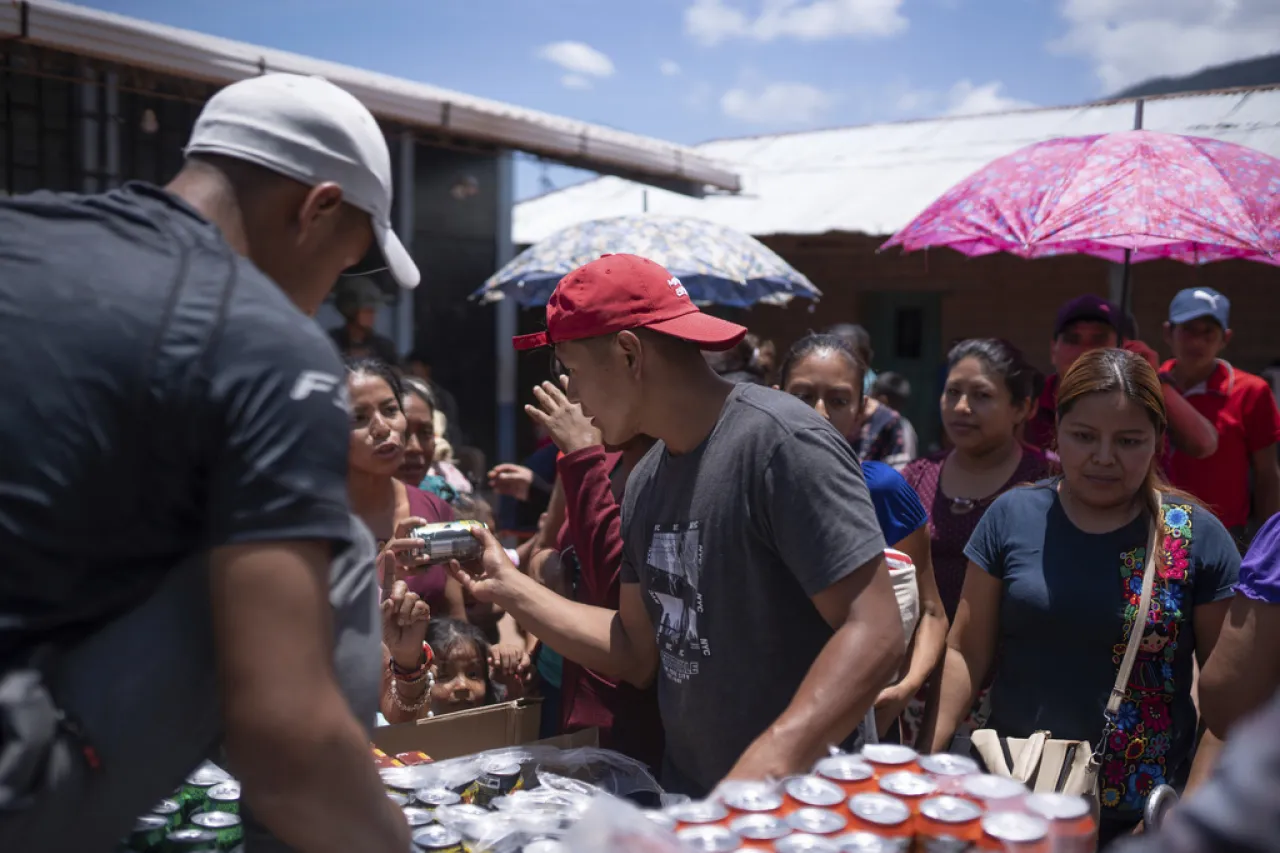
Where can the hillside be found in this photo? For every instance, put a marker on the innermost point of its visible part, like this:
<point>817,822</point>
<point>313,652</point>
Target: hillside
<point>1263,71</point>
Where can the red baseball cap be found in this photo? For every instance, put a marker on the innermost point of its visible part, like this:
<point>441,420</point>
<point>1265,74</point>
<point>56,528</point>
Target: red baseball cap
<point>618,292</point>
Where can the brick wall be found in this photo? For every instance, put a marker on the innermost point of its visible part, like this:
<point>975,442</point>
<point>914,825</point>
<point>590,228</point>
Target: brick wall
<point>1003,296</point>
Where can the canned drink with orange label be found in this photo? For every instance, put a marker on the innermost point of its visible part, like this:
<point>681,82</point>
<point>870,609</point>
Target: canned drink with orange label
<point>1071,826</point>
<point>1014,832</point>
<point>814,821</point>
<point>812,791</point>
<point>891,758</point>
<point>802,843</point>
<point>750,797</point>
<point>948,770</point>
<point>869,842</point>
<point>911,788</point>
<point>662,819</point>
<point>994,793</point>
<point>948,817</point>
<point>850,772</point>
<point>881,814</point>
<point>697,813</point>
<point>759,831</point>
<point>708,839</point>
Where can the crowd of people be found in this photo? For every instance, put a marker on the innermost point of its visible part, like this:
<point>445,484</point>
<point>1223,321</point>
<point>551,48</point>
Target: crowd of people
<point>739,560</point>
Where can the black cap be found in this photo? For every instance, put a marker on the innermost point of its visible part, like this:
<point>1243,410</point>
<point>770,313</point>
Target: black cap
<point>1089,307</point>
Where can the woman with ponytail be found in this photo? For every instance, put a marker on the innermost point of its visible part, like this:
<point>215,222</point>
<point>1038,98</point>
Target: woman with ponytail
<point>1053,582</point>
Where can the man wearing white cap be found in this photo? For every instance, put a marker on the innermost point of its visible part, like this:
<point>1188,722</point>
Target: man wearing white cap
<point>178,564</point>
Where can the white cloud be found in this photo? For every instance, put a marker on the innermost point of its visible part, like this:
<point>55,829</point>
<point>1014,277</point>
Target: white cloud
<point>1129,41</point>
<point>776,103</point>
<point>963,98</point>
<point>581,61</point>
<point>669,68</point>
<point>967,99</point>
<point>711,22</point>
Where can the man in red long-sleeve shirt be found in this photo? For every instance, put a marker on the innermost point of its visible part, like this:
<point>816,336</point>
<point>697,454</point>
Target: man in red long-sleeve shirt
<point>590,548</point>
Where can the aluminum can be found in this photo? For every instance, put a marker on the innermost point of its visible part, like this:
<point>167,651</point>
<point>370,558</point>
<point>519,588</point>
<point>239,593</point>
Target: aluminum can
<point>814,791</point>
<point>438,839</point>
<point>226,828</point>
<point>148,834</point>
<point>224,798</point>
<point>881,813</point>
<point>817,821</point>
<point>709,839</point>
<point>801,843</point>
<point>850,772</point>
<point>750,797</point>
<point>449,540</point>
<point>1015,832</point>
<point>760,827</point>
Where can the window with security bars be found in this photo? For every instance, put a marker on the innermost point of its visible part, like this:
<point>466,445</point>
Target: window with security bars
<point>69,123</point>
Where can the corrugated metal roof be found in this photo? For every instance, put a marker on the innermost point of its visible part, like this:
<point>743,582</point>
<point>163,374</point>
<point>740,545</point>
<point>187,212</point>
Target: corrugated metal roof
<point>129,41</point>
<point>874,179</point>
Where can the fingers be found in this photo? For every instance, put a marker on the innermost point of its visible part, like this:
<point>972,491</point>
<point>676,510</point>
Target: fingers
<point>537,415</point>
<point>405,610</point>
<point>564,383</point>
<point>464,578</point>
<point>407,525</point>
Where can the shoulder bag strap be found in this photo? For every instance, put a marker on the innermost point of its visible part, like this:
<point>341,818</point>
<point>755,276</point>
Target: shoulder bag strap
<point>1139,625</point>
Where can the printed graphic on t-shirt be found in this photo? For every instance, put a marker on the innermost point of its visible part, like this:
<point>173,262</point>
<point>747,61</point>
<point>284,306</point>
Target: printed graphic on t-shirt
<point>675,561</point>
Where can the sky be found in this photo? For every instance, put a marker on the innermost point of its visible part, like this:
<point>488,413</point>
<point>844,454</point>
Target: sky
<point>692,70</point>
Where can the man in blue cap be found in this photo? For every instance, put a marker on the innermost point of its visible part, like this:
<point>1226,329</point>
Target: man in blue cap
<point>1087,323</point>
<point>1240,405</point>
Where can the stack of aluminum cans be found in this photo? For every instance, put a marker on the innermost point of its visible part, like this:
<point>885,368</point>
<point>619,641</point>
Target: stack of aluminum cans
<point>202,816</point>
<point>888,799</point>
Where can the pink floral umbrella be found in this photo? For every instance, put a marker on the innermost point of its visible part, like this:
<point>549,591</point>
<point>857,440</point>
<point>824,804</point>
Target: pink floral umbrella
<point>1131,196</point>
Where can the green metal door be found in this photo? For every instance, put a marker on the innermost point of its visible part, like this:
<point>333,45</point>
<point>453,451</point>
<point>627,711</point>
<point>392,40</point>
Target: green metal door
<point>906,337</point>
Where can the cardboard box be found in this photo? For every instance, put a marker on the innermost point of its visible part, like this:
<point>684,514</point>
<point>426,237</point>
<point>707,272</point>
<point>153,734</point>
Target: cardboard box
<point>468,732</point>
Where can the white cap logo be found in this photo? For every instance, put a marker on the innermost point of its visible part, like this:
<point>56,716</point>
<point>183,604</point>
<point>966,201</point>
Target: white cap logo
<point>674,284</point>
<point>1211,298</point>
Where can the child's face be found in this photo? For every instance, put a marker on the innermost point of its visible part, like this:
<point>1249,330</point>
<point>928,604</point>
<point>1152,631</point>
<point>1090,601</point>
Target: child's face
<point>460,679</point>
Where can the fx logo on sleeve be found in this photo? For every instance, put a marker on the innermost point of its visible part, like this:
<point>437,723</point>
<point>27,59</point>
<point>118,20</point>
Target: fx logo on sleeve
<point>314,381</point>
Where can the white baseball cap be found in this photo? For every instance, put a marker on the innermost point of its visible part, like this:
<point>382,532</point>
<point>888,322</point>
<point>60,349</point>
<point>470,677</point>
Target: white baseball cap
<point>310,130</point>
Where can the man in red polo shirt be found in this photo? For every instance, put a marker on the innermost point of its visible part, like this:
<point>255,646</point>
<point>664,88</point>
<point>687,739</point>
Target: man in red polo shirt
<point>1239,405</point>
<point>1090,322</point>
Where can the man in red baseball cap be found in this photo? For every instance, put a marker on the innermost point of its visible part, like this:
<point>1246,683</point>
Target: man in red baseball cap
<point>753,579</point>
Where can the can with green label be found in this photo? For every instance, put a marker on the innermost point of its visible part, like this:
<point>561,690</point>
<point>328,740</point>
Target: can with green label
<point>148,834</point>
<point>226,828</point>
<point>191,840</point>
<point>195,793</point>
<point>171,811</point>
<point>224,798</point>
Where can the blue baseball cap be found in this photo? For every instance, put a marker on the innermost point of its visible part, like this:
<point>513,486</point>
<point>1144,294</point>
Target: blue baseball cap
<point>1196,302</point>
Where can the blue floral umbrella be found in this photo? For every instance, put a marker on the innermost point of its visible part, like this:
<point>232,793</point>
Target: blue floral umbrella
<point>718,266</point>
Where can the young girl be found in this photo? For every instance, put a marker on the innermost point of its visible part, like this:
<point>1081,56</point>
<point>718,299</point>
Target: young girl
<point>388,506</point>
<point>1054,578</point>
<point>825,372</point>
<point>467,672</point>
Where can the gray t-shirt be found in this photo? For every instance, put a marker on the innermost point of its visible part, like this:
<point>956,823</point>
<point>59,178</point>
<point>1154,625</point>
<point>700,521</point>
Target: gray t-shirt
<point>729,543</point>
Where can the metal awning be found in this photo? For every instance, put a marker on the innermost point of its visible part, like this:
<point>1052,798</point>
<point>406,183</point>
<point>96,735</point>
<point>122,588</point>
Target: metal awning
<point>170,50</point>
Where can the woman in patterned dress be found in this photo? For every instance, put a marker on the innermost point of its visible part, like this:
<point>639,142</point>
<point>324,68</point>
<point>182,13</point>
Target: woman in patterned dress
<point>989,390</point>
<point>1052,588</point>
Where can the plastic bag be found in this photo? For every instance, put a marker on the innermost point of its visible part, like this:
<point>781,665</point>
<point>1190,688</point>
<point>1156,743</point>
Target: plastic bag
<point>618,827</point>
<point>586,771</point>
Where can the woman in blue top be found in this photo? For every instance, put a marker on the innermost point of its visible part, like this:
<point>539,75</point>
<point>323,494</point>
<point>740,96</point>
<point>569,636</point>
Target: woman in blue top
<point>824,372</point>
<point>1052,587</point>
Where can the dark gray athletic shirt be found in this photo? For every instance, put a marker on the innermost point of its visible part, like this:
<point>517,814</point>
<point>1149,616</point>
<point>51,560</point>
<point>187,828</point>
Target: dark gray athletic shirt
<point>729,544</point>
<point>159,396</point>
